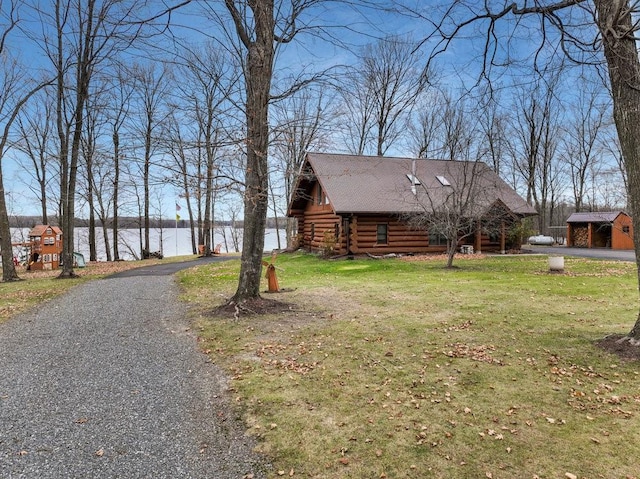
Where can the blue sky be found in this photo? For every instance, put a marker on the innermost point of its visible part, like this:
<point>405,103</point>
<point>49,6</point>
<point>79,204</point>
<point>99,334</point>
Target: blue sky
<point>316,50</point>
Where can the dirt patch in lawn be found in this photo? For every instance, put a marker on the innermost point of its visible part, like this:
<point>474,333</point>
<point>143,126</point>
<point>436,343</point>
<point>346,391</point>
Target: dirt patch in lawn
<point>253,307</point>
<point>615,344</point>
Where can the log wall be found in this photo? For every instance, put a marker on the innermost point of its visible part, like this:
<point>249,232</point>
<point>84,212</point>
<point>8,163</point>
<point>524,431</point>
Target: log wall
<point>400,238</point>
<point>318,231</point>
<point>319,224</point>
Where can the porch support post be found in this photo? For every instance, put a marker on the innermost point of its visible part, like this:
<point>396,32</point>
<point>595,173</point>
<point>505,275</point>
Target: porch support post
<point>503,237</point>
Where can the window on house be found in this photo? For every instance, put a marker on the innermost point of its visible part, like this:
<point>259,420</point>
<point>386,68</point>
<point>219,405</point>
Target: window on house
<point>382,234</point>
<point>320,197</point>
<point>626,229</point>
<point>336,231</point>
<point>437,239</point>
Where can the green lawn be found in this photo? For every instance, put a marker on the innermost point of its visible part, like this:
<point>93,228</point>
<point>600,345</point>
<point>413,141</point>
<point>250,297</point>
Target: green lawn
<point>393,368</point>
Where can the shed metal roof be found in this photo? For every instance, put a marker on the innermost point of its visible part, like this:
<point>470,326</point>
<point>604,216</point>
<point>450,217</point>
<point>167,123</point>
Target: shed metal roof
<point>594,216</point>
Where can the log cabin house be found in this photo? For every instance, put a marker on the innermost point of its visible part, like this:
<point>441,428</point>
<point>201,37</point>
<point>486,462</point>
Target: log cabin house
<point>606,229</point>
<point>348,204</point>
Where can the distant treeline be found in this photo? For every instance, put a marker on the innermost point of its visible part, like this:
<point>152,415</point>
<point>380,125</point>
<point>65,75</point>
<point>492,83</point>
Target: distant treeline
<point>126,222</point>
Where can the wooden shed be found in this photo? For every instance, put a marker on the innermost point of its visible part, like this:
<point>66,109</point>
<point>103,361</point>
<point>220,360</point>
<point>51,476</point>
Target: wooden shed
<point>45,245</point>
<point>354,204</point>
<point>604,229</point>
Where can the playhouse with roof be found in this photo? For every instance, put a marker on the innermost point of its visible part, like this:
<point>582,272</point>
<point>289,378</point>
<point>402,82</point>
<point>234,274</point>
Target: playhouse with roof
<point>45,247</point>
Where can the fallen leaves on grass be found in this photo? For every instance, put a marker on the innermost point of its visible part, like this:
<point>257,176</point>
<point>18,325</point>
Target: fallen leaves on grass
<point>475,353</point>
<point>269,353</point>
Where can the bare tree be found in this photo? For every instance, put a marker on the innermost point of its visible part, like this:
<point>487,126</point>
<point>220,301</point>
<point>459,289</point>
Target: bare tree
<point>458,129</point>
<point>584,31</point>
<point>255,23</point>
<point>182,175</point>
<point>380,93</point>
<point>492,123</point>
<point>582,140</point>
<point>151,88</point>
<point>610,144</point>
<point>424,131</point>
<point>212,79</point>
<point>87,47</point>
<point>356,113</point>
<point>35,144</point>
<point>534,142</point>
<point>451,205</point>
<point>80,38</point>
<point>99,185</point>
<point>88,153</point>
<point>458,205</point>
<point>17,88</point>
<point>260,27</point>
<point>117,111</point>
<point>396,81</point>
<point>301,123</point>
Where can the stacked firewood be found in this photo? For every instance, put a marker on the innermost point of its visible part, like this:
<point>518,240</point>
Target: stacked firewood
<point>581,237</point>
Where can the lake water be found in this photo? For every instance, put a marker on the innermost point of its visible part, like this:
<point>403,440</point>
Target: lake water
<point>171,241</point>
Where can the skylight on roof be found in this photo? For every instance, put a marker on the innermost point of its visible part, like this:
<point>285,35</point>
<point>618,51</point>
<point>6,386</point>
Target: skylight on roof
<point>413,179</point>
<point>443,181</point>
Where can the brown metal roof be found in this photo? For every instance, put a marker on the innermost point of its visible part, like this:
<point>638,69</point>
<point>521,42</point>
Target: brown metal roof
<point>594,217</point>
<point>372,184</point>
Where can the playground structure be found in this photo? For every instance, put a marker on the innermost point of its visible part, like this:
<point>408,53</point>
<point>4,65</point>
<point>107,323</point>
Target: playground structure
<point>43,251</point>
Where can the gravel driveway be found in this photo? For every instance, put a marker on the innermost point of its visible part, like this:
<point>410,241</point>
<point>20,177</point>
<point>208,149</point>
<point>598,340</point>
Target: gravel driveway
<point>107,382</point>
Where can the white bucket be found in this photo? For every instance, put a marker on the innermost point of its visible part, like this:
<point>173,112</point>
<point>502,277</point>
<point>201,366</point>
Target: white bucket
<point>556,263</point>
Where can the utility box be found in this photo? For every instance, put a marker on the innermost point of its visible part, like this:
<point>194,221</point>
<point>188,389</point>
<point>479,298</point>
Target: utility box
<point>45,245</point>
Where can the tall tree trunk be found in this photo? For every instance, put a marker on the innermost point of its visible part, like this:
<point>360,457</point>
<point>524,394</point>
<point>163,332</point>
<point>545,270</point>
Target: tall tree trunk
<point>208,203</point>
<point>69,194</point>
<point>146,174</point>
<point>105,236</point>
<point>116,181</point>
<point>624,72</point>
<point>8,268</point>
<point>93,250</point>
<point>43,201</point>
<point>70,172</point>
<point>192,228</point>
<point>258,76</point>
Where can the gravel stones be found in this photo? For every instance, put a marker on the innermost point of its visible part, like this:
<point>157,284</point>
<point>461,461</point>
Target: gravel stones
<point>107,382</point>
